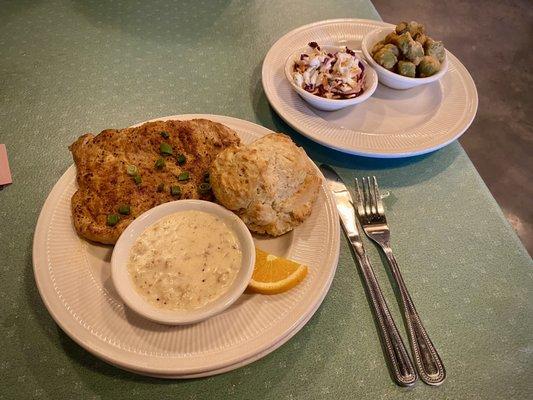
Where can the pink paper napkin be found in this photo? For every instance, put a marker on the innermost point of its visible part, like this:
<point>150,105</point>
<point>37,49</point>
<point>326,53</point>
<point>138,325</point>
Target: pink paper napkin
<point>5,173</point>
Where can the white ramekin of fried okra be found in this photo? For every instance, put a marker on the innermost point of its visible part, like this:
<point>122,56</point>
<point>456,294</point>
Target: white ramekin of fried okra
<point>405,56</point>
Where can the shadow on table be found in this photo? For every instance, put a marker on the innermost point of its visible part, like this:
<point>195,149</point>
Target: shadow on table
<point>427,165</point>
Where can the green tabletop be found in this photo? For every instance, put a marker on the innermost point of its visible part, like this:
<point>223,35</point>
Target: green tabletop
<point>73,66</point>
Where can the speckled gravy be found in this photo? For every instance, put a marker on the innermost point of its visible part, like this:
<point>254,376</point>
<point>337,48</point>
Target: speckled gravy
<point>185,260</point>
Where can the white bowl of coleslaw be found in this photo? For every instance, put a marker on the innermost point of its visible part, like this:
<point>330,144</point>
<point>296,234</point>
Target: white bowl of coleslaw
<point>330,78</point>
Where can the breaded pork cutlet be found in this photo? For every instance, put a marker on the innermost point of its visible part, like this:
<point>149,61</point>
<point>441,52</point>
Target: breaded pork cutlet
<point>122,173</point>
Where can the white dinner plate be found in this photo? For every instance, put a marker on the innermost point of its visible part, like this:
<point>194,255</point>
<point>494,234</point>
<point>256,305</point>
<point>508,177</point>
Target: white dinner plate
<point>74,280</point>
<point>390,124</point>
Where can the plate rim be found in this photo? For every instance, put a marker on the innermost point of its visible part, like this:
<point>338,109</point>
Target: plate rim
<point>423,149</point>
<point>82,338</point>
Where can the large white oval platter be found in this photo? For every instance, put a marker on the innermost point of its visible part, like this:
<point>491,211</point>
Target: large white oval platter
<point>74,280</point>
<point>391,123</point>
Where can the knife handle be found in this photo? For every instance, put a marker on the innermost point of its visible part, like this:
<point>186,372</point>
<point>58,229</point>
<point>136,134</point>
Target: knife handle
<point>400,364</point>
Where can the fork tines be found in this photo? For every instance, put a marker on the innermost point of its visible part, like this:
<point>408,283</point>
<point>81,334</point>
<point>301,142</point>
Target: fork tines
<point>369,201</point>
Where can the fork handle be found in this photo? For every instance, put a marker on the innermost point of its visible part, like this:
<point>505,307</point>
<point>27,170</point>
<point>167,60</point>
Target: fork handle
<point>400,364</point>
<point>427,359</point>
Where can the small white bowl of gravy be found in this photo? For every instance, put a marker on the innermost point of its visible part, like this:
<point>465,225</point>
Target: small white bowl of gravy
<point>183,262</point>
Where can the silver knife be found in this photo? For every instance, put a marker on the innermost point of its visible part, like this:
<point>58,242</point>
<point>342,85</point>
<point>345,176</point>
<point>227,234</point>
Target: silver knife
<point>399,362</point>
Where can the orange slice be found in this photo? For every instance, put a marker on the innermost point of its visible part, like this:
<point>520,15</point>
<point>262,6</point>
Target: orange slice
<point>274,275</point>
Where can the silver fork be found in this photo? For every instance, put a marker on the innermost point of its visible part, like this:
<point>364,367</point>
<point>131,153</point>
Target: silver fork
<point>372,217</point>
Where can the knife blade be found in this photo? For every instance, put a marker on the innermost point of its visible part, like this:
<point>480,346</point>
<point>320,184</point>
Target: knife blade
<point>398,359</point>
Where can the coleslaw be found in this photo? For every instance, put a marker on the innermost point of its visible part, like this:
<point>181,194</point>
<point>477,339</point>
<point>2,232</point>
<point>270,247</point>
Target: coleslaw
<point>338,75</point>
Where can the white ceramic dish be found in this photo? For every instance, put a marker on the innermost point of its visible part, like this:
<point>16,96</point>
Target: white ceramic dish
<point>391,123</point>
<point>124,284</point>
<point>74,279</point>
<point>391,79</point>
<point>322,103</point>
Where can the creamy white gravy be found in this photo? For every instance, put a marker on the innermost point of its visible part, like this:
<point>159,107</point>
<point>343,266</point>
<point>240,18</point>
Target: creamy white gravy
<point>185,260</point>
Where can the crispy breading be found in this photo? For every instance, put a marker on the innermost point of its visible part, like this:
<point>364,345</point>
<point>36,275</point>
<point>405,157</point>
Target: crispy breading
<point>104,183</point>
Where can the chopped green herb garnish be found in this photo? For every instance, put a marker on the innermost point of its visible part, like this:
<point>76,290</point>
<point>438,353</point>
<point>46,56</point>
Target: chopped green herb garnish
<point>175,191</point>
<point>180,158</point>
<point>204,188</point>
<point>160,187</point>
<point>137,178</point>
<point>184,176</point>
<point>124,209</point>
<point>165,134</point>
<point>206,177</point>
<point>165,149</point>
<point>131,170</point>
<point>112,219</point>
<point>160,163</point>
